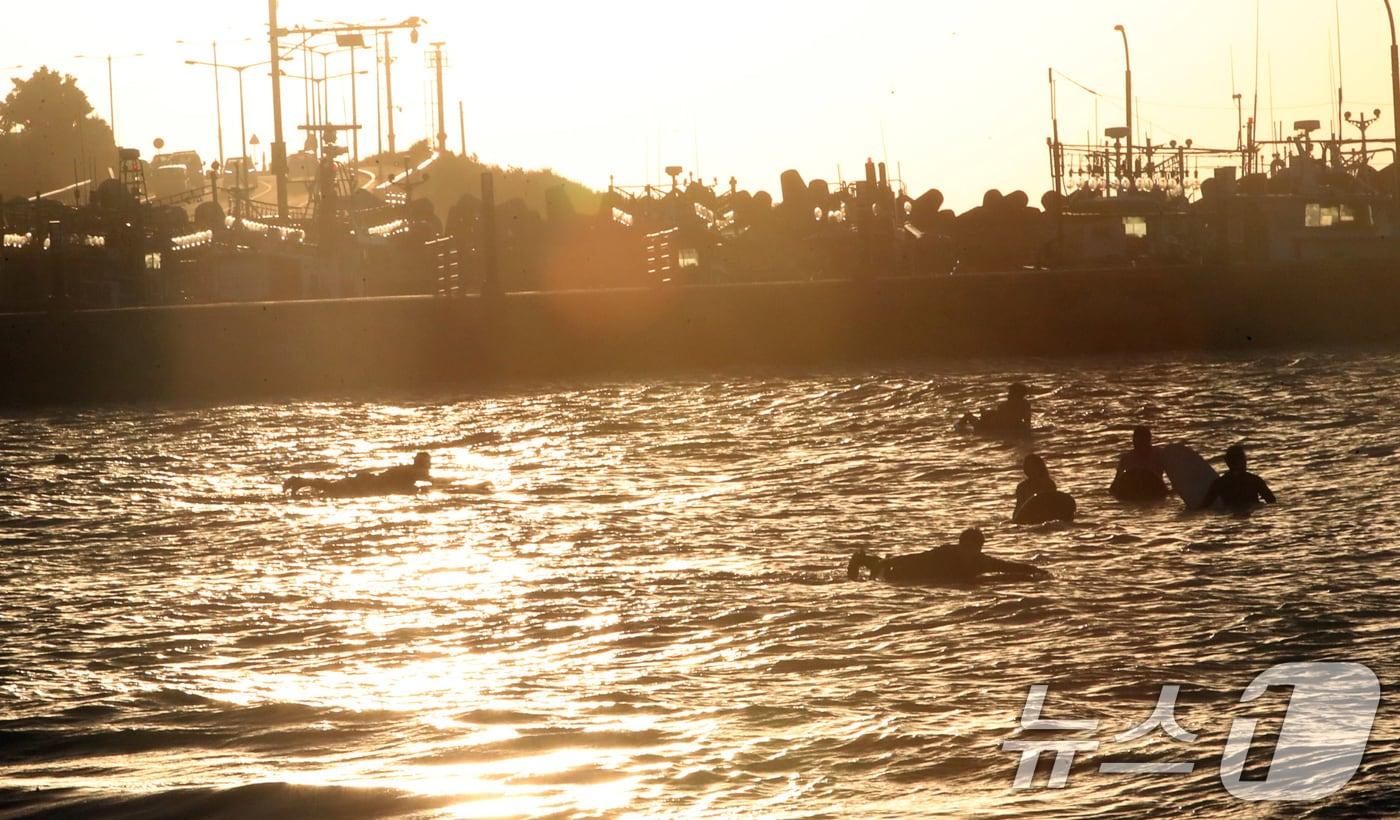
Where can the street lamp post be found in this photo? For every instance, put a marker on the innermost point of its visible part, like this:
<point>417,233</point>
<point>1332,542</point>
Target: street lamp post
<point>274,33</point>
<point>218,107</point>
<point>436,60</point>
<point>1394,101</point>
<point>378,100</point>
<point>111,86</point>
<point>355,102</point>
<point>242,117</point>
<point>279,145</point>
<point>389,89</point>
<point>353,41</point>
<point>322,85</point>
<point>1128,103</point>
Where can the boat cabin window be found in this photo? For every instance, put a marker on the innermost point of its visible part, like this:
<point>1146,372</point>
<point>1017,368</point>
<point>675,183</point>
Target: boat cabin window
<point>1317,215</point>
<point>1356,214</point>
<point>1135,226</point>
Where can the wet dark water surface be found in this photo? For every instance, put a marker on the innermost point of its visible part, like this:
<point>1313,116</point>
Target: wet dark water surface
<point>630,598</point>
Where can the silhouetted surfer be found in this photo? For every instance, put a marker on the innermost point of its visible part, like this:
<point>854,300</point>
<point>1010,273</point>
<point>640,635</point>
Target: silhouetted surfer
<point>404,478</point>
<point>1140,471</point>
<point>952,563</point>
<point>1038,500</point>
<point>1011,416</point>
<point>1238,488</point>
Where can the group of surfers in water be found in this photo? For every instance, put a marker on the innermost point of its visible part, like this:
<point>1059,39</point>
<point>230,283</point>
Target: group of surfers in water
<point>1141,478</point>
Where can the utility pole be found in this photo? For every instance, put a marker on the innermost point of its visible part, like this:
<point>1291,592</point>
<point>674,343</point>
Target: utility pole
<point>218,105</point>
<point>279,145</point>
<point>389,90</point>
<point>378,99</point>
<point>242,143</point>
<point>111,86</point>
<point>462,124</point>
<point>343,30</point>
<point>441,114</point>
<point>112,101</point>
<point>1056,169</point>
<point>1395,97</point>
<point>325,86</point>
<point>355,103</point>
<point>1128,105</point>
<point>1239,127</point>
<point>242,116</point>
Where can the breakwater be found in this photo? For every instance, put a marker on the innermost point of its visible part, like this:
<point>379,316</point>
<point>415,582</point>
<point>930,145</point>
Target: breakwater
<point>251,350</point>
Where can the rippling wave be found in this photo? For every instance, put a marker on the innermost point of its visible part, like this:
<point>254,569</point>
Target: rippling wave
<point>630,597</point>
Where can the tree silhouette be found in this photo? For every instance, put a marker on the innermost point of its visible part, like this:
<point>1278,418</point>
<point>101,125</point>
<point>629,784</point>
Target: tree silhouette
<point>48,138</point>
<point>46,101</point>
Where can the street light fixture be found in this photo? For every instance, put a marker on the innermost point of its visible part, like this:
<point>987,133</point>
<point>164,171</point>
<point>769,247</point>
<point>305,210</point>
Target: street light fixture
<point>242,118</point>
<point>322,80</point>
<point>1128,103</point>
<point>274,35</point>
<point>353,41</point>
<point>1394,101</point>
<point>111,87</point>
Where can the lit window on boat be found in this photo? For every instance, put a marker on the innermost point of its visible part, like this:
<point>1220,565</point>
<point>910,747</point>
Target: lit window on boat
<point>1321,216</point>
<point>689,258</point>
<point>1356,214</point>
<point>152,261</point>
<point>1135,226</point>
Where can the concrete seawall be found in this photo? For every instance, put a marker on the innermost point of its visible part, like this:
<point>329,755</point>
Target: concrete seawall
<point>252,350</point>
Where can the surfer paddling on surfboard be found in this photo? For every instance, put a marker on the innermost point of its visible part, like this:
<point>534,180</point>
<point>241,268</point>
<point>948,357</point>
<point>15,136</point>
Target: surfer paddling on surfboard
<point>1038,500</point>
<point>1140,470</point>
<point>1239,489</point>
<point>402,479</point>
<point>962,562</point>
<point>1012,416</point>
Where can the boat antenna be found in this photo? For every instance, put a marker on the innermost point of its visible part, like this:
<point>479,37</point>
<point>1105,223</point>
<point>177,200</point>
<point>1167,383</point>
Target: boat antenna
<point>1254,118</point>
<point>1055,170</point>
<point>1273,119</point>
<point>1337,12</point>
<point>1331,78</point>
<point>884,147</point>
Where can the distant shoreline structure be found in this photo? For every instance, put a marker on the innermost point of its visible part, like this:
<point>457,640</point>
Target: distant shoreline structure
<point>276,350</point>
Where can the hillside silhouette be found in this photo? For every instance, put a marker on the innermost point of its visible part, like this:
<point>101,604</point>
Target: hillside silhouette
<point>454,179</point>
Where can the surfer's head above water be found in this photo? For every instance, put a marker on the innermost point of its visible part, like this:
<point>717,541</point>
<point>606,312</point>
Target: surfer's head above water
<point>1235,458</point>
<point>1034,467</point>
<point>1142,438</point>
<point>423,461</point>
<point>1017,391</point>
<point>972,540</point>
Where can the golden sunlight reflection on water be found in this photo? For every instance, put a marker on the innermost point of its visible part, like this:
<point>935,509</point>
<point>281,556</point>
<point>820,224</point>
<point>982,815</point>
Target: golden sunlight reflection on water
<point>630,599</point>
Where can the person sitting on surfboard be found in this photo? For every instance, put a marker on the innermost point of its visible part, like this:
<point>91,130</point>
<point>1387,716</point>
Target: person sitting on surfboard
<point>1037,480</point>
<point>951,563</point>
<point>1038,500</point>
<point>403,478</point>
<point>1140,470</point>
<point>1239,489</point>
<point>1012,415</point>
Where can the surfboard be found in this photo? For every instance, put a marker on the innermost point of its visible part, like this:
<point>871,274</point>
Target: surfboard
<point>971,425</point>
<point>1042,508</point>
<point>1191,475</point>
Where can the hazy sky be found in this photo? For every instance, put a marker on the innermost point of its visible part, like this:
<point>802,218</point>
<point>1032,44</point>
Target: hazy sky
<point>955,93</point>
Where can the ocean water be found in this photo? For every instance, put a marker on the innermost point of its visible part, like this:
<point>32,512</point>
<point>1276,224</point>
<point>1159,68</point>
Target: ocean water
<point>629,598</point>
